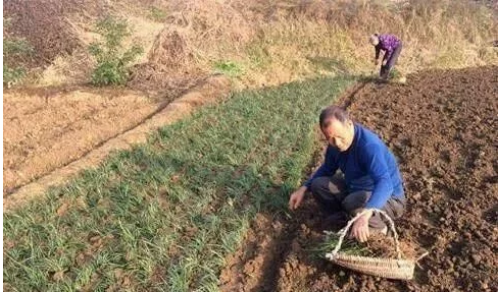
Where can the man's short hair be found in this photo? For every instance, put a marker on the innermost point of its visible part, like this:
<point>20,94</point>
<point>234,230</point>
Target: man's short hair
<point>332,112</point>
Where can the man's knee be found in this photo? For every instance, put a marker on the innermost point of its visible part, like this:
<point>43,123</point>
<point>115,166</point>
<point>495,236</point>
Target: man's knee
<point>355,201</point>
<point>395,207</point>
<point>320,185</point>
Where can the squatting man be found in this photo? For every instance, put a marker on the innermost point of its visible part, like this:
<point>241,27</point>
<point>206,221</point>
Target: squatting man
<point>371,177</point>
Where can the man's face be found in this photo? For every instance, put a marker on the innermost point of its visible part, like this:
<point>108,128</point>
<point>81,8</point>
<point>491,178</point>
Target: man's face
<point>339,135</point>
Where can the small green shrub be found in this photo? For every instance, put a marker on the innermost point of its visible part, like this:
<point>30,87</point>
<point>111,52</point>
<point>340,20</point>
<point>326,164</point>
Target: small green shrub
<point>13,47</point>
<point>16,46</point>
<point>12,75</point>
<point>112,62</point>
<point>157,14</point>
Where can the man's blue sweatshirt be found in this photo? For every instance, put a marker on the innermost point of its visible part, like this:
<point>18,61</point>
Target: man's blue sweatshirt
<point>368,165</point>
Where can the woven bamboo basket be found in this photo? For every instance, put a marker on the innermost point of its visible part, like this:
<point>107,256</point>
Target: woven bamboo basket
<point>389,268</point>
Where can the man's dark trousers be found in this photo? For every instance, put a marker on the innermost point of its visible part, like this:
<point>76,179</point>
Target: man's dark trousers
<point>332,196</point>
<point>386,69</point>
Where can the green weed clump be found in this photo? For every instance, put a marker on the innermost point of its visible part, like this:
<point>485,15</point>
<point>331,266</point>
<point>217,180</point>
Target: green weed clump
<point>229,68</point>
<point>157,14</point>
<point>13,47</point>
<point>12,76</point>
<point>349,246</point>
<point>377,246</point>
<point>112,60</point>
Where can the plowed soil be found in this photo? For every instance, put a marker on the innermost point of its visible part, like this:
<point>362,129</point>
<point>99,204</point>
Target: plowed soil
<point>44,130</point>
<point>443,128</point>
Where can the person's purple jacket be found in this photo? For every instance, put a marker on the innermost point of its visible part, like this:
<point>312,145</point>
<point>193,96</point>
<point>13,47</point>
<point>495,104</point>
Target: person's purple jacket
<point>388,43</point>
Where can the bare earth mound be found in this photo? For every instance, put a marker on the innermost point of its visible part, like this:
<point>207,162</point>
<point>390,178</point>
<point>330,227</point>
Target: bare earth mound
<point>442,126</point>
<point>44,130</point>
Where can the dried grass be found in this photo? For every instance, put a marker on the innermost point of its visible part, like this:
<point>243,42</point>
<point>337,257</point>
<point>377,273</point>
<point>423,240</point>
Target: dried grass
<point>276,41</point>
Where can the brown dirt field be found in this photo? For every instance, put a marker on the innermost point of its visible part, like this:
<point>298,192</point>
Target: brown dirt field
<point>106,121</point>
<point>442,126</point>
<point>44,130</point>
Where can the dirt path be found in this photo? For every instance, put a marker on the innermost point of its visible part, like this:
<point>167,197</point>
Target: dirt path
<point>442,126</point>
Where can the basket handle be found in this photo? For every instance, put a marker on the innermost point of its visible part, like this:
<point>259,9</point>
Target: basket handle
<point>343,232</point>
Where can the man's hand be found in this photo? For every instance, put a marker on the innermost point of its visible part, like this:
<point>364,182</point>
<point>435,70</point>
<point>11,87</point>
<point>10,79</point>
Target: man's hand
<point>296,198</point>
<point>360,229</point>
